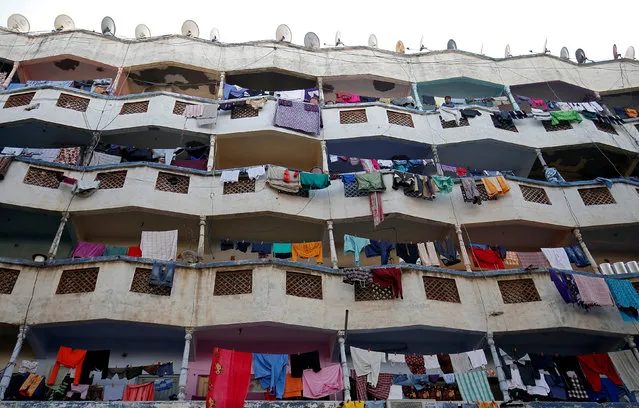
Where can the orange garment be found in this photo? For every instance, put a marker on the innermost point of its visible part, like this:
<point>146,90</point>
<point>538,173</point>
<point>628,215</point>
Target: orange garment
<point>492,186</point>
<point>487,405</point>
<point>141,392</point>
<point>308,250</point>
<point>632,112</point>
<point>70,359</point>
<point>503,184</point>
<point>30,385</point>
<point>292,387</point>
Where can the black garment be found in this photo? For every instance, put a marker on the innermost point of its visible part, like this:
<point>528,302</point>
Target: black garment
<point>364,99</point>
<point>546,363</point>
<point>242,245</point>
<point>132,372</point>
<point>401,179</point>
<point>470,113</point>
<point>507,373</point>
<point>408,252</point>
<point>283,255</point>
<point>427,100</point>
<point>303,361</point>
<point>227,244</point>
<point>447,252</point>
<point>13,392</point>
<point>527,372</point>
<point>95,360</point>
<point>569,363</point>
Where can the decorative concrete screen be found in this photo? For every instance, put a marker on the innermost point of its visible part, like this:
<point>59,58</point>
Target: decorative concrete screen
<point>8,279</point>
<point>23,99</point>
<point>112,179</point>
<point>518,291</point>
<point>605,127</point>
<point>77,281</point>
<point>452,124</point>
<point>173,183</point>
<point>442,289</point>
<point>178,108</point>
<point>134,107</point>
<point>596,196</point>
<point>241,187</point>
<point>535,195</point>
<point>562,125</point>
<point>43,178</point>
<point>401,119</point>
<point>72,102</point>
<point>233,283</point>
<point>304,285</point>
<point>347,117</point>
<point>372,291</point>
<point>243,111</point>
<point>140,284</point>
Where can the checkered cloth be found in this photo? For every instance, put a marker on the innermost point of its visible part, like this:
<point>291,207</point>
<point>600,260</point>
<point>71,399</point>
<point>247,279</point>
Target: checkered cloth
<point>416,363</point>
<point>535,259</point>
<point>512,260</point>
<point>576,389</point>
<point>593,290</point>
<point>160,245</point>
<point>360,385</point>
<point>364,390</point>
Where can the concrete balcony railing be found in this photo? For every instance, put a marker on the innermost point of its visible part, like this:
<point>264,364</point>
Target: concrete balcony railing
<point>33,184</point>
<point>290,293</point>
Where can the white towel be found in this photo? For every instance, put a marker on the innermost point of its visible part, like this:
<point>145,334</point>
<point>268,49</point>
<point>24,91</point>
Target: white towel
<point>396,393</point>
<point>193,111</point>
<point>557,258</point>
<point>333,158</point>
<point>367,363</point>
<point>431,362</point>
<point>255,172</point>
<point>296,95</point>
<point>167,153</point>
<point>160,245</point>
<point>209,114</point>
<point>230,176</point>
<point>461,362</point>
<point>428,254</point>
<point>449,114</point>
<point>477,358</point>
<point>12,151</point>
<point>396,358</point>
<point>100,158</point>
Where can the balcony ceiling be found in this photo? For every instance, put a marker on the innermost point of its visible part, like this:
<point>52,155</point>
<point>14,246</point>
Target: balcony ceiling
<point>461,87</point>
<point>488,155</point>
<point>554,91</point>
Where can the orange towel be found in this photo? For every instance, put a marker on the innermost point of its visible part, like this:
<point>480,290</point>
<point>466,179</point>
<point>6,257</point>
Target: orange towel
<point>292,387</point>
<point>631,112</point>
<point>70,359</point>
<point>491,185</point>
<point>503,184</point>
<point>308,250</point>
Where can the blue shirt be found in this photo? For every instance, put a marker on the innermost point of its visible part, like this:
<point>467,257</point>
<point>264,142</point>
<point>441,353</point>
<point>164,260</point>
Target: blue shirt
<point>270,369</point>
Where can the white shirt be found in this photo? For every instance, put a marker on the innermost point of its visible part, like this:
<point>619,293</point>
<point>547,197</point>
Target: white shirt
<point>367,363</point>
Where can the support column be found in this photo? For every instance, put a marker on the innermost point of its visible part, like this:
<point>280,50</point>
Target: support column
<point>584,248</point>
<point>200,242</point>
<point>184,371</point>
<point>511,98</point>
<point>6,377</point>
<point>58,235</point>
<point>438,165</point>
<point>342,355</point>
<point>220,88</point>
<point>320,87</point>
<point>88,153</point>
<point>500,371</point>
<point>633,346</point>
<point>331,240</point>
<point>7,81</point>
<point>113,89</point>
<point>540,157</point>
<point>324,157</point>
<point>462,248</point>
<point>210,164</point>
<point>418,100</point>
<point>631,167</point>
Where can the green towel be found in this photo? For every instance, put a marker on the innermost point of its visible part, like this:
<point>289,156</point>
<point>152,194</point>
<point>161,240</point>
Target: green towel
<point>279,248</point>
<point>444,184</point>
<point>567,115</point>
<point>115,250</point>
<point>370,182</point>
<point>312,181</point>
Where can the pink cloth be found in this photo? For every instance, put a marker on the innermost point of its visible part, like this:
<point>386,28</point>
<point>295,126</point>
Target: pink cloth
<point>325,382</point>
<point>593,291</point>
<point>375,199</point>
<point>193,111</point>
<point>88,250</point>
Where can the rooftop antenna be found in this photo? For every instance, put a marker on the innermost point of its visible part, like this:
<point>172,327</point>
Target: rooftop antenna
<point>372,41</point>
<point>580,55</point>
<point>451,45</point>
<point>615,54</point>
<point>564,54</point>
<point>630,53</point>
<point>481,51</point>
<point>507,53</point>
<point>190,29</point>
<point>399,47</point>
<point>63,22</point>
<point>546,50</point>
<point>142,32</point>
<point>283,33</point>
<point>311,40</point>
<point>18,23</point>
<point>338,38</point>
<point>422,47</point>
<point>108,26</point>
<point>215,35</point>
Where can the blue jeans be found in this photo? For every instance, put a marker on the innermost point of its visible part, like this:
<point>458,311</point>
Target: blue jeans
<point>162,274</point>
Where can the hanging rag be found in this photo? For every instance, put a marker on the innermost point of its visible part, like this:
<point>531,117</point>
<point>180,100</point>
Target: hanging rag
<point>367,363</point>
<point>304,117</point>
<point>159,245</point>
<point>474,386</point>
<point>308,250</point>
<point>283,179</point>
<point>389,277</point>
<point>532,259</point>
<point>460,362</point>
<point>4,165</point>
<point>408,252</point>
<point>564,115</point>
<point>486,258</point>
<point>370,182</point>
<point>576,255</point>
<point>557,258</point>
<point>312,181</point>
<point>68,358</point>
<point>375,198</point>
<point>304,361</point>
<point>229,379</point>
<point>445,363</point>
<point>563,287</point>
<point>270,369</point>
<point>627,367</point>
<point>444,184</point>
<point>261,248</point>
<point>626,298</point>
<point>193,111</point>
<point>282,251</point>
<point>428,254</point>
<point>355,245</point>
<point>141,392</point>
<point>255,172</point>
<point>447,252</point>
<point>88,250</point>
<point>593,291</point>
<point>230,176</point>
<point>511,261</point>
<point>379,248</point>
<point>477,358</point>
<point>68,155</point>
<point>329,380</point>
<point>448,114</point>
<point>162,274</point>
<point>293,387</point>
<point>111,250</point>
<point>470,190</point>
<point>592,365</point>
<point>353,275</point>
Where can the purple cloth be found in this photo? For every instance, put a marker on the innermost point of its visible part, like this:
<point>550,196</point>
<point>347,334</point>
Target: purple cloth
<point>561,283</point>
<point>88,250</point>
<point>296,117</point>
<point>190,164</point>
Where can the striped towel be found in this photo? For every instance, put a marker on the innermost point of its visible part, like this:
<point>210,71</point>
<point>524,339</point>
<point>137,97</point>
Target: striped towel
<point>474,387</point>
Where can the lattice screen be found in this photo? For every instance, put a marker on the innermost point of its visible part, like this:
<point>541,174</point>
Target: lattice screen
<point>304,285</point>
<point>452,124</point>
<point>243,111</point>
<point>173,183</point>
<point>499,125</point>
<point>518,291</point>
<point>562,125</point>
<point>42,177</point>
<point>483,193</point>
<point>233,283</point>
<point>178,108</point>
<point>350,190</point>
<point>535,194</point>
<point>442,289</point>
<point>241,187</point>
<point>401,119</point>
<point>77,281</point>
<point>72,102</point>
<point>605,127</point>
<point>347,117</point>
<point>140,284</point>
<point>111,179</point>
<point>19,100</point>
<point>8,279</point>
<point>372,291</point>
<point>596,196</point>
<point>134,107</point>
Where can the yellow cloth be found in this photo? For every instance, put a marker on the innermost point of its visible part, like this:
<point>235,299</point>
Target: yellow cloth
<point>308,250</point>
<point>353,404</point>
<point>385,100</point>
<point>492,186</point>
<point>503,184</point>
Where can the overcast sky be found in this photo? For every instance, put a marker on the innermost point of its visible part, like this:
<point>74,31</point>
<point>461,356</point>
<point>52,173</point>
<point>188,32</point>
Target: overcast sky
<point>473,24</point>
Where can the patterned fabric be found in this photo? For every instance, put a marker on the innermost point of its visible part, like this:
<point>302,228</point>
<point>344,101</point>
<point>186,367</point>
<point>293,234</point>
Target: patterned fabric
<point>447,392</point>
<point>375,199</point>
<point>229,379</point>
<point>68,155</point>
<point>624,293</point>
<point>357,275</point>
<point>534,259</point>
<point>474,387</point>
<point>99,158</point>
<point>160,245</point>
<point>193,111</point>
<point>593,291</point>
<point>365,390</point>
<point>415,363</point>
<point>576,389</point>
<point>360,385</point>
<point>298,116</point>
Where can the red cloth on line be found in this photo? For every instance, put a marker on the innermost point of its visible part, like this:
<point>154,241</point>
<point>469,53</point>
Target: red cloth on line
<point>140,392</point>
<point>461,172</point>
<point>134,251</point>
<point>229,379</point>
<point>70,359</point>
<point>386,277</point>
<point>486,258</point>
<point>594,364</point>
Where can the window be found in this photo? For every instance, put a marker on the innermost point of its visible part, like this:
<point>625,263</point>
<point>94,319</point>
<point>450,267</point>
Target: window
<point>173,183</point>
<point>518,291</point>
<point>304,285</point>
<point>562,125</point>
<point>243,111</point>
<point>442,289</point>
<point>78,281</point>
<point>112,179</point>
<point>347,117</point>
<point>401,119</point>
<point>140,284</point>
<point>43,178</point>
<point>23,99</point>
<point>534,195</point>
<point>596,196</point>
<point>233,283</point>
<point>241,187</point>
<point>372,291</point>
<point>8,279</point>
<point>178,108</point>
<point>134,107</point>
<point>453,124</point>
<point>605,127</point>
<point>72,102</point>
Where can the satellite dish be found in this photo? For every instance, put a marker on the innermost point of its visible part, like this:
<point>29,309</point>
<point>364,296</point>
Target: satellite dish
<point>18,23</point>
<point>311,40</point>
<point>283,33</point>
<point>215,34</point>
<point>452,45</point>
<point>338,38</point>
<point>422,47</point>
<point>564,54</point>
<point>507,53</point>
<point>142,31</point>
<point>546,50</point>
<point>630,53</point>
<point>190,28</point>
<point>615,54</point>
<point>372,41</point>
<point>399,47</point>
<point>63,22</point>
<point>580,55</point>
<point>108,26</point>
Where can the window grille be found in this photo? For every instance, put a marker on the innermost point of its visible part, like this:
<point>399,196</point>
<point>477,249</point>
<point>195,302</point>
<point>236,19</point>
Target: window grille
<point>518,291</point>
<point>347,117</point>
<point>243,186</point>
<point>140,284</point>
<point>535,194</point>
<point>605,127</point>
<point>23,99</point>
<point>243,111</point>
<point>442,289</point>
<point>452,124</point>
<point>134,107</point>
<point>8,279</point>
<point>233,283</point>
<point>112,179</point>
<point>596,196</point>
<point>72,102</point>
<point>179,107</point>
<point>401,119</point>
<point>77,281</point>
<point>562,125</point>
<point>43,178</point>
<point>173,183</point>
<point>372,291</point>
<point>303,285</point>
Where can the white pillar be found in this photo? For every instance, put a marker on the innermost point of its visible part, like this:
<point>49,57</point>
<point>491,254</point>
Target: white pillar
<point>200,242</point>
<point>220,88</point>
<point>58,235</point>
<point>633,346</point>
<point>438,165</point>
<point>6,377</point>
<point>324,157</point>
<point>210,164</point>
<point>512,99</point>
<point>500,371</point>
<point>113,89</point>
<point>462,248</point>
<point>342,356</point>
<point>88,153</point>
<point>331,240</point>
<point>418,100</point>
<point>580,239</point>
<point>184,371</point>
<point>540,157</point>
<point>7,81</point>
<point>320,87</point>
